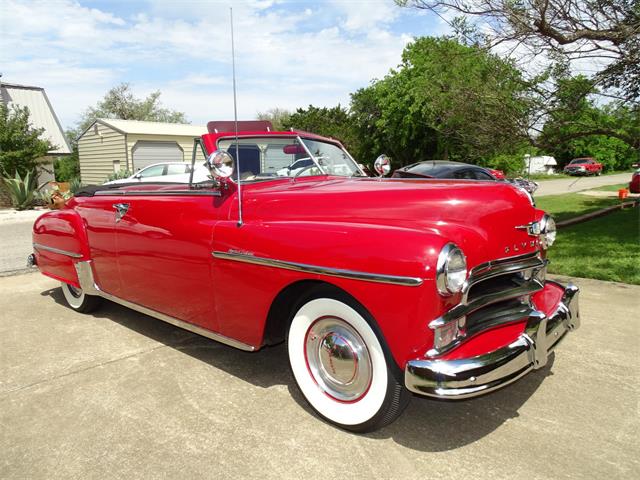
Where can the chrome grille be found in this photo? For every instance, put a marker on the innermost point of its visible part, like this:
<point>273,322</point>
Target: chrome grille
<point>496,293</point>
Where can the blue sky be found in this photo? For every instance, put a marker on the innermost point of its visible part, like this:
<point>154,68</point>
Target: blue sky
<point>288,53</point>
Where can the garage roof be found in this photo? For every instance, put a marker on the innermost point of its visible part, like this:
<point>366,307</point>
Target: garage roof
<point>41,114</point>
<point>154,128</point>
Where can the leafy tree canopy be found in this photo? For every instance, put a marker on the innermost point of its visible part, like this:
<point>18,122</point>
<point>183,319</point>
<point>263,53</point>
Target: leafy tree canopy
<point>277,116</point>
<point>120,103</point>
<point>446,100</point>
<point>576,126</point>
<point>605,31</point>
<point>20,144</point>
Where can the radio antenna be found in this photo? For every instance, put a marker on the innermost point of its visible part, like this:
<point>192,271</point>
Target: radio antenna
<point>235,120</point>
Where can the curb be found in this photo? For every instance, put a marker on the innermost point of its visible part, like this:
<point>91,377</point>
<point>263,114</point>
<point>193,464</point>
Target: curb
<point>598,213</point>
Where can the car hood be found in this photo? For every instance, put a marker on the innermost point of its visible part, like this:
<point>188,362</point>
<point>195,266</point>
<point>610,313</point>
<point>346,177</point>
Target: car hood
<point>469,213</point>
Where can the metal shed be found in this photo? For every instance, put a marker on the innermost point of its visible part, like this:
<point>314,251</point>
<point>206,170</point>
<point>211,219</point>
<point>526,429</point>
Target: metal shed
<point>108,146</point>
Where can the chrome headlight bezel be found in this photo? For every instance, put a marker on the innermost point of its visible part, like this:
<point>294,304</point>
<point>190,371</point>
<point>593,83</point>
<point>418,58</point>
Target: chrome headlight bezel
<point>548,231</point>
<point>450,278</point>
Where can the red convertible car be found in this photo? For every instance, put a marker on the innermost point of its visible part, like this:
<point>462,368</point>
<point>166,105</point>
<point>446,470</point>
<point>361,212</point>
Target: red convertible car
<point>380,287</point>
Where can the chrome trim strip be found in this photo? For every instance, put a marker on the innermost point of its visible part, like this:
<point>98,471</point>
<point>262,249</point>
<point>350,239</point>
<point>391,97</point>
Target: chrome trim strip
<point>470,377</point>
<point>332,272</point>
<point>39,246</point>
<point>159,193</point>
<point>90,287</point>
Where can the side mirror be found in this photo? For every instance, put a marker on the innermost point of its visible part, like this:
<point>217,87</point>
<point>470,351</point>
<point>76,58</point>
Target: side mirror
<point>220,164</point>
<point>382,165</point>
<point>137,176</point>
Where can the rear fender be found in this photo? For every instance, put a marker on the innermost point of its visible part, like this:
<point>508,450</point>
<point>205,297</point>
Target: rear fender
<point>60,240</point>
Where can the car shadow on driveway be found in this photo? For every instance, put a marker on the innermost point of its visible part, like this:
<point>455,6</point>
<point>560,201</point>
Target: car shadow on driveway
<point>427,425</point>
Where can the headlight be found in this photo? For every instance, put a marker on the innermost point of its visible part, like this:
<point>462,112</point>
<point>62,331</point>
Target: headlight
<point>451,270</point>
<point>547,231</point>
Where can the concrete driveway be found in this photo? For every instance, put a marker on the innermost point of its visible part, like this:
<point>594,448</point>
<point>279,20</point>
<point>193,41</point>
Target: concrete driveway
<point>118,394</point>
<point>576,184</point>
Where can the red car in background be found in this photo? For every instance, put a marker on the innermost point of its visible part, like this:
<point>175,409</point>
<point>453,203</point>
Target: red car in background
<point>583,166</point>
<point>634,184</point>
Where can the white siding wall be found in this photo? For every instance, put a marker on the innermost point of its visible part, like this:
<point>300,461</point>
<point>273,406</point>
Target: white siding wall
<point>99,153</point>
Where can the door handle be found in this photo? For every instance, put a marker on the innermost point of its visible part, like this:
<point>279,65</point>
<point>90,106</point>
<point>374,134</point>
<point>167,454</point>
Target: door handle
<point>121,210</point>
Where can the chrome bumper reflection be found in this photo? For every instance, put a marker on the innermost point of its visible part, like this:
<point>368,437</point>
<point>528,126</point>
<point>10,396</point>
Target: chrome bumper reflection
<point>469,377</point>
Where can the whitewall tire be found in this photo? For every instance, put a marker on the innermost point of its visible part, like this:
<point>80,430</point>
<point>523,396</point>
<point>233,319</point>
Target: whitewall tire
<point>340,365</point>
<point>78,300</point>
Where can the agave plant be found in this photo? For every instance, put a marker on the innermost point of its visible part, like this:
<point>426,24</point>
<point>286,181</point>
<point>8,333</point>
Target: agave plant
<point>74,185</point>
<point>21,189</point>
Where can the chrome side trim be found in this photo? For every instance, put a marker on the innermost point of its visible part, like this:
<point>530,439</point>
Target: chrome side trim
<point>90,287</point>
<point>470,377</point>
<point>159,193</point>
<point>329,271</point>
<point>39,246</point>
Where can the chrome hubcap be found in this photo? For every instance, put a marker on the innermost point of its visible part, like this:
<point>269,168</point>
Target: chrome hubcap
<point>338,359</point>
<point>76,292</point>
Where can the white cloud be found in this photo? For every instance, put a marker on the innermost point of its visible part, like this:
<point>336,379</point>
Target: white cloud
<point>287,55</point>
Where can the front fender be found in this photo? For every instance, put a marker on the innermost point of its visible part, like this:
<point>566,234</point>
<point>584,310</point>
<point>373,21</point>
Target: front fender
<point>246,290</point>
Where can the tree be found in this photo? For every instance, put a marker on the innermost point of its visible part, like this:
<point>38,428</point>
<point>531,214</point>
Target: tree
<point>332,122</point>
<point>446,100</point>
<point>20,144</point>
<point>577,126</point>
<point>600,30</point>
<point>277,116</point>
<point>120,103</point>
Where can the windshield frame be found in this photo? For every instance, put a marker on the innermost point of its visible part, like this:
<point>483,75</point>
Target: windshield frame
<point>300,138</point>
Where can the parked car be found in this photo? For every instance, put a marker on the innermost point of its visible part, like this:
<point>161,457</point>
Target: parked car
<point>460,171</point>
<point>445,169</point>
<point>380,288</point>
<point>634,184</point>
<point>583,166</point>
<point>524,183</point>
<point>161,172</point>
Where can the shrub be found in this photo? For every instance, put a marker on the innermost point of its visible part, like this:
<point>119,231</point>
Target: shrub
<point>67,168</point>
<point>119,174</point>
<point>509,164</point>
<point>21,189</point>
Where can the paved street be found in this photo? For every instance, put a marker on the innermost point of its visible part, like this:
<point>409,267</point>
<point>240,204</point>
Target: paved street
<point>15,238</point>
<point>576,184</point>
<point>117,394</point>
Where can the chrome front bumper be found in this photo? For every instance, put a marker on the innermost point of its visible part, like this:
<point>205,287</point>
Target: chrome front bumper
<point>470,377</point>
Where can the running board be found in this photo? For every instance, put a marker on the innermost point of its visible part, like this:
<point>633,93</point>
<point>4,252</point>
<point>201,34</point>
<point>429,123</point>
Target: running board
<point>88,284</point>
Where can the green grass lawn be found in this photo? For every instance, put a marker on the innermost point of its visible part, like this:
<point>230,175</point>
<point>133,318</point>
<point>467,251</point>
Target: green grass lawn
<point>613,188</point>
<point>606,248</point>
<point>571,205</point>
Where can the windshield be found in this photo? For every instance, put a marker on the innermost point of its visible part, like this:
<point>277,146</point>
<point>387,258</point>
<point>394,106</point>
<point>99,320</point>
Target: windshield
<point>331,158</point>
<point>263,158</point>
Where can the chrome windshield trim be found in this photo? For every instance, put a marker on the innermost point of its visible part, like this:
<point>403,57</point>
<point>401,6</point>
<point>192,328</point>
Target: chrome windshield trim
<point>90,287</point>
<point>39,246</point>
<point>311,156</point>
<point>329,271</point>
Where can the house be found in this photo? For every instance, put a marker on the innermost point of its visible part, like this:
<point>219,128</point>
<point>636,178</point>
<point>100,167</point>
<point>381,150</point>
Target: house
<point>108,146</point>
<point>539,164</point>
<point>41,115</point>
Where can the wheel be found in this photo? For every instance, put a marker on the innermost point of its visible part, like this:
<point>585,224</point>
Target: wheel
<point>341,366</point>
<point>78,300</point>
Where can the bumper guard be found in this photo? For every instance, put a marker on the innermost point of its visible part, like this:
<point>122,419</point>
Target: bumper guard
<point>470,377</point>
